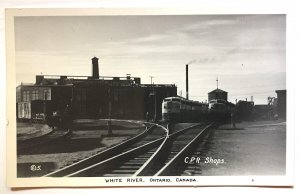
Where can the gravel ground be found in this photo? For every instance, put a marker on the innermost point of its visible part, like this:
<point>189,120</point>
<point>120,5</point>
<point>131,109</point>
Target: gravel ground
<point>31,130</point>
<point>88,138</point>
<point>254,148</point>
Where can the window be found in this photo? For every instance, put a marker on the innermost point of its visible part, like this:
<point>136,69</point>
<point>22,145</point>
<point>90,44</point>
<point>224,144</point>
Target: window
<point>47,94</point>
<point>35,95</point>
<point>18,96</point>
<point>26,96</point>
<point>176,100</point>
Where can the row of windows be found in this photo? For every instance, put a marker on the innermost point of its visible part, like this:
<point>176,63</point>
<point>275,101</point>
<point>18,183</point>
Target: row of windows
<point>35,95</point>
<point>26,96</point>
<point>193,107</point>
<point>24,110</point>
<point>186,103</point>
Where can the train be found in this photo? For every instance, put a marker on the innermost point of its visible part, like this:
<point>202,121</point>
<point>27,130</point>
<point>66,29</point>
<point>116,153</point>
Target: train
<point>179,109</point>
<point>221,110</point>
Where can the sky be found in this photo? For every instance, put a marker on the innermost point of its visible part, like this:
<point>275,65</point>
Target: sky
<point>247,53</point>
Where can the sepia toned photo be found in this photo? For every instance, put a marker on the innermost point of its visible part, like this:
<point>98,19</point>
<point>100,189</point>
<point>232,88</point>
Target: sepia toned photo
<point>148,99</point>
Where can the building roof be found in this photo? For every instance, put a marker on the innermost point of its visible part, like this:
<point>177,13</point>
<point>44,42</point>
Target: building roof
<point>217,91</point>
<point>280,91</point>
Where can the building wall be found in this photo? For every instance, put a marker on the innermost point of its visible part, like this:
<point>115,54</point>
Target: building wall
<point>61,96</point>
<point>34,100</point>
<point>262,112</point>
<point>281,103</point>
<point>116,101</point>
<point>94,99</point>
<point>217,95</point>
<point>245,110</point>
<point>24,110</point>
<point>30,93</point>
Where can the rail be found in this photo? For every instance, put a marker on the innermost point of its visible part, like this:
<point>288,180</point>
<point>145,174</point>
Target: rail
<point>164,171</point>
<point>143,171</point>
<point>99,156</point>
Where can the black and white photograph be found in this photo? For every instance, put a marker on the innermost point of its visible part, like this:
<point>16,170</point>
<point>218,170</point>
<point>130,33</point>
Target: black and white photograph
<point>150,99</point>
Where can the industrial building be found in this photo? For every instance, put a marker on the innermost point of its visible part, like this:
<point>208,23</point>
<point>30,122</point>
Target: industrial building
<point>276,107</point>
<point>35,101</point>
<point>281,103</point>
<point>217,94</point>
<point>245,110</point>
<point>92,96</point>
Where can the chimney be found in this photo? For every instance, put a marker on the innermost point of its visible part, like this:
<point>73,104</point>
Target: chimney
<point>95,73</point>
<point>187,80</point>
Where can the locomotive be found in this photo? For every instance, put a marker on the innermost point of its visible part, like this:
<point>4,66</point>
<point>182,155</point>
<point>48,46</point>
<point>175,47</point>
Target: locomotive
<point>220,110</point>
<point>178,109</point>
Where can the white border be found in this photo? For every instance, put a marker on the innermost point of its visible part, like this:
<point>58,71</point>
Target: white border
<point>208,180</point>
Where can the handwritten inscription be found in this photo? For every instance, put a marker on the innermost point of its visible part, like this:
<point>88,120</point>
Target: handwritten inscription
<point>207,160</point>
<point>35,167</point>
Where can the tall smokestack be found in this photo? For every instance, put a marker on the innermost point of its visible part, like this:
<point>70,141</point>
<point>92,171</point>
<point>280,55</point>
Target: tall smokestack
<point>187,80</point>
<point>95,73</point>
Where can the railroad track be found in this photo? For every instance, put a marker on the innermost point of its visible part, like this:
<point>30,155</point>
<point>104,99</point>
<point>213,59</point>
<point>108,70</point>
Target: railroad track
<point>176,165</point>
<point>153,134</point>
<point>194,168</point>
<point>171,152</point>
<point>144,155</point>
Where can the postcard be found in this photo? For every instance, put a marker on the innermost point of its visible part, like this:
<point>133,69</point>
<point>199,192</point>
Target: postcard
<point>147,97</point>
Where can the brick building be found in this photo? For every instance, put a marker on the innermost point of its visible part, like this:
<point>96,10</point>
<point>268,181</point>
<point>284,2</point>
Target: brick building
<point>92,96</point>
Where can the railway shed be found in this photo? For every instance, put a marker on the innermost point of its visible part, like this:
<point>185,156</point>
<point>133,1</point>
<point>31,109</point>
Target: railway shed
<point>217,94</point>
<point>92,96</point>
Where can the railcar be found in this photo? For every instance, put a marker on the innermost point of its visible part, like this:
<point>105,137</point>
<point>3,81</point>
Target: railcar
<point>178,109</point>
<point>220,110</point>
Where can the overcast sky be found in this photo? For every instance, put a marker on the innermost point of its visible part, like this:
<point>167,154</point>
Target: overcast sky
<point>245,52</point>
